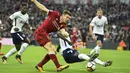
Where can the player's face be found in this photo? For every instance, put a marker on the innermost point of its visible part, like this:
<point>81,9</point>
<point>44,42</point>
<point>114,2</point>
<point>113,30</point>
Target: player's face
<point>99,13</point>
<point>66,18</point>
<point>24,9</point>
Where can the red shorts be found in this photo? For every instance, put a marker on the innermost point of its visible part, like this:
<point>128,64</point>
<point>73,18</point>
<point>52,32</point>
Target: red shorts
<point>42,37</point>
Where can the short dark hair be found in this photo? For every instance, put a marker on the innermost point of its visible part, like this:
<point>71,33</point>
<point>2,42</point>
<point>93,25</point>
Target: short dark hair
<point>24,4</point>
<point>99,9</point>
<point>66,12</point>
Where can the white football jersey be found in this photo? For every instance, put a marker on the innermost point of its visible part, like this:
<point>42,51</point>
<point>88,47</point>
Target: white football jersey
<point>64,45</point>
<point>18,20</point>
<point>99,24</point>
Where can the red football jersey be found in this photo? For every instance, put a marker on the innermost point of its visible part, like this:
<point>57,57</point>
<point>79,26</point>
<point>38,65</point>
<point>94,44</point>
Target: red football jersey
<point>52,23</point>
<point>75,33</point>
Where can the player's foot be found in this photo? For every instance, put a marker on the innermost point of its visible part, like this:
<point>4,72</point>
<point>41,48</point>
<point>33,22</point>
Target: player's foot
<point>1,53</point>
<point>62,68</point>
<point>92,57</point>
<point>108,63</point>
<point>4,60</point>
<point>39,68</point>
<point>18,58</point>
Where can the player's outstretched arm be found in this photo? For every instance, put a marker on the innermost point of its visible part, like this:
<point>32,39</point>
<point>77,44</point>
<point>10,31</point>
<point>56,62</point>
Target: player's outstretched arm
<point>40,6</point>
<point>62,37</point>
<point>29,27</point>
<point>91,30</point>
<point>10,23</point>
<point>64,33</point>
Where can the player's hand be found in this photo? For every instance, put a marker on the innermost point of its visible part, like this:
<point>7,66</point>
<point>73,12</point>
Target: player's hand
<point>33,29</point>
<point>16,29</point>
<point>94,38</point>
<point>107,35</point>
<point>91,34</point>
<point>70,43</point>
<point>1,27</point>
<point>65,34</point>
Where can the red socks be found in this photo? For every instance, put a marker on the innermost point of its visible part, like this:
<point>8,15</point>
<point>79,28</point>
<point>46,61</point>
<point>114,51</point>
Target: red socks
<point>47,58</point>
<point>55,60</point>
<point>44,61</point>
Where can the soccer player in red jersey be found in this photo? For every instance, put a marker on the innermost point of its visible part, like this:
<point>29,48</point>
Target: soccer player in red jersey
<point>55,22</point>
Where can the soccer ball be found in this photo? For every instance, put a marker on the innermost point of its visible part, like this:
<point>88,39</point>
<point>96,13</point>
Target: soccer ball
<point>91,66</point>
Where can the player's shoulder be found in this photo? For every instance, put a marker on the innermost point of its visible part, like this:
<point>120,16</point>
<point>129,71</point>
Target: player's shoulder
<point>27,15</point>
<point>18,12</point>
<point>15,14</point>
<point>104,17</point>
<point>96,17</point>
<point>54,12</point>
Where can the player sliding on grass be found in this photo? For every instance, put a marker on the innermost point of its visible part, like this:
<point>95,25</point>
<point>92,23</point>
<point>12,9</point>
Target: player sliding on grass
<point>72,56</point>
<point>55,22</point>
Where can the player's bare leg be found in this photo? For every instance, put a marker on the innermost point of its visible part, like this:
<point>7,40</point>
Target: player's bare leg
<point>52,55</point>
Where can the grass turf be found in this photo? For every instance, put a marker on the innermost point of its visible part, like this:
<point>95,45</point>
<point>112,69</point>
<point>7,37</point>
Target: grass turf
<point>34,55</point>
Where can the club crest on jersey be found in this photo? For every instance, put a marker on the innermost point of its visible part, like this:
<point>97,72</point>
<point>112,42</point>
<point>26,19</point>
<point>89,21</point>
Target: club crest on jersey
<point>99,25</point>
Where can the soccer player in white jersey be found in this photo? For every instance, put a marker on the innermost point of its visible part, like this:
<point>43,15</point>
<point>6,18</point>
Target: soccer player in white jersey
<point>97,29</point>
<point>17,21</point>
<point>72,56</point>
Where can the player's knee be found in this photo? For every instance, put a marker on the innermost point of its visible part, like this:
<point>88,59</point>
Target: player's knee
<point>48,46</point>
<point>27,41</point>
<point>54,48</point>
<point>25,45</point>
<point>51,52</point>
<point>18,46</point>
<point>51,48</point>
<point>99,43</point>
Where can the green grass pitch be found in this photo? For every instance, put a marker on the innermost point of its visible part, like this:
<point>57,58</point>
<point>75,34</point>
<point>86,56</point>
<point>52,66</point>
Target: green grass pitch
<point>33,55</point>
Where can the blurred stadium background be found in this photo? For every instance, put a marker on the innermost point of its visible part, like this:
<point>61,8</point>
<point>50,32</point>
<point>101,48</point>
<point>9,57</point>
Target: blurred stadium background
<point>117,12</point>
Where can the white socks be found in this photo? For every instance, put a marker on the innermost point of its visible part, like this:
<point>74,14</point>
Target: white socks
<point>96,50</point>
<point>83,56</point>
<point>23,48</point>
<point>99,62</point>
<point>11,52</point>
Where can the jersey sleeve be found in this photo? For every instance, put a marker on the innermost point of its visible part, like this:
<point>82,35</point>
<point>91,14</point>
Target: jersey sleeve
<point>92,22</point>
<point>106,22</point>
<point>53,13</point>
<point>27,20</point>
<point>13,16</point>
